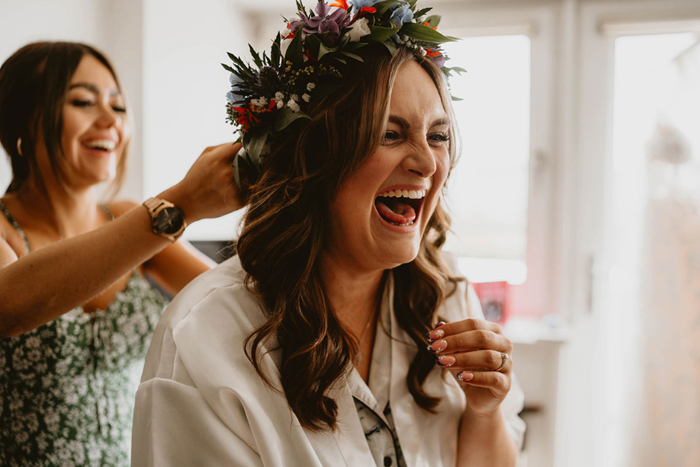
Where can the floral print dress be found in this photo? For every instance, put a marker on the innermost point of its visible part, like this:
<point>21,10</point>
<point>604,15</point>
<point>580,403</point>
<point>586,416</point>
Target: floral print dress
<point>67,388</point>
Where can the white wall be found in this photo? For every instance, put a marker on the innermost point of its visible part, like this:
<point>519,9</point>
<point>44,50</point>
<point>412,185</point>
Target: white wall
<point>184,88</point>
<point>168,55</point>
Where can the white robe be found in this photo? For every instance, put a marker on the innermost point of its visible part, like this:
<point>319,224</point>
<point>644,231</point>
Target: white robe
<point>200,402</point>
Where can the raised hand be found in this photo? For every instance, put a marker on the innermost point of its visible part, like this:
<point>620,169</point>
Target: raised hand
<point>478,354</point>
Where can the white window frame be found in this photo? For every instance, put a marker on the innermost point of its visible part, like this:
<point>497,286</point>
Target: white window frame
<point>537,297</point>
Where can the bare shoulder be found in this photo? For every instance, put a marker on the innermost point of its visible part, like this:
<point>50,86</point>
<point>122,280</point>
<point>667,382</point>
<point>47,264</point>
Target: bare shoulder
<point>122,206</point>
<point>11,243</point>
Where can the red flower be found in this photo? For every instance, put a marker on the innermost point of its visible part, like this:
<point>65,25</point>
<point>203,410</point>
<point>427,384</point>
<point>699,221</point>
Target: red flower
<point>432,53</point>
<point>367,9</point>
<point>245,117</point>
<point>428,24</point>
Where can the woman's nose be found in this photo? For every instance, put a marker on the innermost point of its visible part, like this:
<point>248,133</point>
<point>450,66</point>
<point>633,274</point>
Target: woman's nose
<point>421,160</point>
<point>109,117</point>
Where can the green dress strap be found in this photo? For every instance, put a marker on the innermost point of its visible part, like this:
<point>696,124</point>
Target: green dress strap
<point>14,223</point>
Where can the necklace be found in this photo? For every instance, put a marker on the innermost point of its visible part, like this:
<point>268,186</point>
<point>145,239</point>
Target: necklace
<point>358,357</point>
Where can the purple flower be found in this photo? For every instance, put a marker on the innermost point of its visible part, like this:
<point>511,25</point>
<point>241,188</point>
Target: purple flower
<point>323,22</point>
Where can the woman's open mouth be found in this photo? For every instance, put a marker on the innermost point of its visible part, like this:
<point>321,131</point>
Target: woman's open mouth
<point>400,207</point>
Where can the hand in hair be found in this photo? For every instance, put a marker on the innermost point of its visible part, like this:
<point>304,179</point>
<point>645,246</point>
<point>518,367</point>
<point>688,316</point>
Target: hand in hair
<point>208,189</point>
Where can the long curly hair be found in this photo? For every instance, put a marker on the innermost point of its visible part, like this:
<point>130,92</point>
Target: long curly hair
<point>286,227</point>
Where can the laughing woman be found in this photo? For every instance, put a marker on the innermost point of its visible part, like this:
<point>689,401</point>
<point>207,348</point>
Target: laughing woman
<point>76,313</point>
<point>323,342</point>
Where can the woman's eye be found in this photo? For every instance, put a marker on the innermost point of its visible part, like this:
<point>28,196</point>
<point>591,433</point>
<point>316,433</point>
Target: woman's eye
<point>390,136</point>
<point>81,103</point>
<point>119,108</point>
<point>438,138</point>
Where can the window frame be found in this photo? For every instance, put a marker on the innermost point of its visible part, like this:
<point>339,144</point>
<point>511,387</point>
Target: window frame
<point>538,295</point>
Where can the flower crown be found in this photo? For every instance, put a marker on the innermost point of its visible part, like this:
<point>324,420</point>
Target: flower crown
<point>306,64</point>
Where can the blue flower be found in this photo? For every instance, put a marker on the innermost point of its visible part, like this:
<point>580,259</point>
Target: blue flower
<point>360,4</point>
<point>401,15</point>
<point>232,97</point>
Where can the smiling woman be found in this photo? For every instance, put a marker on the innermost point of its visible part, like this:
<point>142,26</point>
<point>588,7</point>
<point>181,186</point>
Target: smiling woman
<point>340,334</point>
<point>77,311</point>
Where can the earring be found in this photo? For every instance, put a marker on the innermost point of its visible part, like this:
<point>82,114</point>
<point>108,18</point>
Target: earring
<point>19,146</point>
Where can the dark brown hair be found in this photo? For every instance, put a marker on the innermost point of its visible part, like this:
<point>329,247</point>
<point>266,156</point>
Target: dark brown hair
<point>285,228</point>
<point>33,86</point>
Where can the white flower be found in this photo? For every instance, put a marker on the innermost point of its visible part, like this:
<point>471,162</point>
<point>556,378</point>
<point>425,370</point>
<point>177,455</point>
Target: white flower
<point>305,97</point>
<point>358,30</point>
<point>284,46</point>
<point>280,103</point>
<point>294,97</point>
<point>293,105</point>
<point>310,86</point>
<point>262,102</point>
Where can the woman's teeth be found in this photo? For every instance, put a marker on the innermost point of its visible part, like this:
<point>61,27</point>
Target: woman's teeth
<point>104,144</point>
<point>412,194</point>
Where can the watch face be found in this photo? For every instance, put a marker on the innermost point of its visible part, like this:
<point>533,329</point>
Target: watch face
<point>170,220</point>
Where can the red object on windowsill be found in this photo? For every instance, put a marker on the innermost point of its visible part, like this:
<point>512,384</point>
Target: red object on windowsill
<point>495,300</point>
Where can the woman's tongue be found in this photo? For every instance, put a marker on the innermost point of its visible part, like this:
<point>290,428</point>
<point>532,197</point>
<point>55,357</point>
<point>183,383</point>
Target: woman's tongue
<point>395,211</point>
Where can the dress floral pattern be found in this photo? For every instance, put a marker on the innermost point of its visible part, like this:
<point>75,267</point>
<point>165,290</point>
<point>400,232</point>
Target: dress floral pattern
<point>67,388</point>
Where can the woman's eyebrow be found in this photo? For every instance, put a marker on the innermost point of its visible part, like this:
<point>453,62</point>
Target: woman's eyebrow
<point>405,125</point>
<point>92,88</point>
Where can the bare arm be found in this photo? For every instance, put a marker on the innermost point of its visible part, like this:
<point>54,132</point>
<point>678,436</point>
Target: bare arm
<point>485,441</point>
<point>43,285</point>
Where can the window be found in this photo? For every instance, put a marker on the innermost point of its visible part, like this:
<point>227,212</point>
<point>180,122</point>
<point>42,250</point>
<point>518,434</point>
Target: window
<point>488,191</point>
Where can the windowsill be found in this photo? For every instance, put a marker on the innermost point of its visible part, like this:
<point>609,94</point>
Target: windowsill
<point>531,331</point>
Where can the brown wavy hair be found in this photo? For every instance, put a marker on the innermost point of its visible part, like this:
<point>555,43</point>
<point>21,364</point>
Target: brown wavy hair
<point>286,227</point>
<point>33,86</point>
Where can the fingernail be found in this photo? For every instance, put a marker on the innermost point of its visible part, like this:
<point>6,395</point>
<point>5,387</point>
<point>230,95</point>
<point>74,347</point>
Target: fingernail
<point>440,323</point>
<point>435,334</point>
<point>465,376</point>
<point>446,361</point>
<point>438,346</point>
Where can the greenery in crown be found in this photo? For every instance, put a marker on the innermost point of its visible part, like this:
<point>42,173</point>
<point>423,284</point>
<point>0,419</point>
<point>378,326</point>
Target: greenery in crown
<point>306,63</point>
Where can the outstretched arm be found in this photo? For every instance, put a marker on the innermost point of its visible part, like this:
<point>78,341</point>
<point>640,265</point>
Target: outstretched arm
<point>45,284</point>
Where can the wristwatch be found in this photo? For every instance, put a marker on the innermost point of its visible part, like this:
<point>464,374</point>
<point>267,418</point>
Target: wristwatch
<point>167,220</point>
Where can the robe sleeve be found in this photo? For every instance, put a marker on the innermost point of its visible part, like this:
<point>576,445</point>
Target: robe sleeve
<point>173,425</point>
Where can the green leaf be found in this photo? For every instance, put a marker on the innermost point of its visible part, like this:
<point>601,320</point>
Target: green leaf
<point>420,13</point>
<point>256,57</point>
<point>313,45</point>
<point>425,34</point>
<point>227,68</point>
<point>286,117</point>
<point>352,55</point>
<point>256,145</point>
<point>456,99</point>
<point>341,60</point>
<point>382,7</point>
<point>276,52</point>
<point>295,53</point>
<point>323,50</point>
<point>433,20</point>
<point>353,46</point>
<point>389,44</point>
<point>380,34</point>
<point>412,4</point>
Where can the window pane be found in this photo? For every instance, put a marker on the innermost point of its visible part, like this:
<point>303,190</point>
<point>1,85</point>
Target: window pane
<point>488,191</point>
